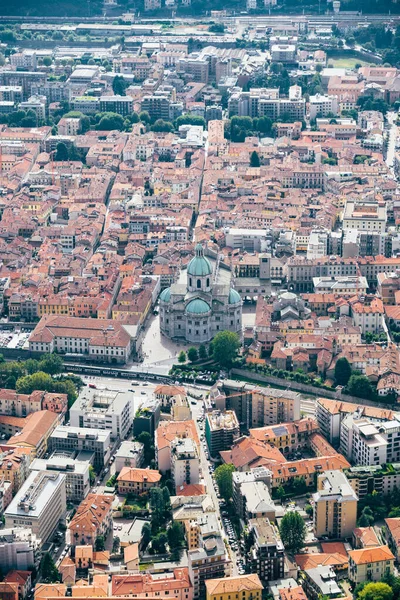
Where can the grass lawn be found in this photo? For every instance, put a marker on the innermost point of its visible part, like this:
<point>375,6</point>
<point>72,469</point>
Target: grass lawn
<point>347,62</point>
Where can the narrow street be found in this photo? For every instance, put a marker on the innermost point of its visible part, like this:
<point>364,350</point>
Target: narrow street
<point>393,133</point>
<point>197,410</point>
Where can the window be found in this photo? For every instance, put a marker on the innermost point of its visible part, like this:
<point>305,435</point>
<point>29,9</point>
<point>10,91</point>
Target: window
<point>198,284</point>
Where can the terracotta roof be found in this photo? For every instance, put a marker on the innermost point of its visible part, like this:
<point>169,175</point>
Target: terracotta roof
<point>131,552</point>
<point>370,555</point>
<point>237,584</point>
<point>139,475</point>
<point>311,561</point>
<point>191,489</point>
<point>38,425</point>
<point>393,524</point>
<point>296,593</point>
<point>367,535</point>
<point>167,431</point>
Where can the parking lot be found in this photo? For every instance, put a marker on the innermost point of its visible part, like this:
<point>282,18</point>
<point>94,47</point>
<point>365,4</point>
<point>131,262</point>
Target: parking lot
<point>15,339</point>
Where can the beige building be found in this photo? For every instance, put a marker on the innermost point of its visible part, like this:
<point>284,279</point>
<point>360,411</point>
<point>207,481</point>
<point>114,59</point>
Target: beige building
<point>180,410</point>
<point>370,564</point>
<point>335,506</point>
<point>270,406</point>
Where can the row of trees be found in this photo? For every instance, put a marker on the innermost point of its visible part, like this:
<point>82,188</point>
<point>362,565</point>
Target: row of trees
<point>223,350</point>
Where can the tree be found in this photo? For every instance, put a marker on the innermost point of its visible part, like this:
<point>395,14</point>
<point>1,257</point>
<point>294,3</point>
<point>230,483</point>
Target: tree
<point>223,477</point>
<point>92,475</point>
<point>147,441</point>
<point>109,121</point>
<point>161,126</point>
<point>342,371</point>
<point>192,354</point>
<point>182,357</point>
<point>159,543</point>
<point>376,591</point>
<point>47,61</point>
<point>146,535</point>
<point>144,117</point>
<point>48,570</point>
<point>254,159</point>
<point>61,152</point>
<point>360,386</point>
<point>51,364</point>
<point>280,492</point>
<point>116,545</point>
<point>225,347</point>
<point>119,85</point>
<point>293,531</point>
<point>157,506</point>
<point>202,352</point>
<point>175,535</point>
<point>99,544</point>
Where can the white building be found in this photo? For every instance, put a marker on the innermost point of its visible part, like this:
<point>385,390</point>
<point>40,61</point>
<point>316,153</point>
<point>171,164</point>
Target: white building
<point>185,462</point>
<point>104,409</point>
<point>317,245</point>
<point>40,504</point>
<point>37,104</point>
<point>365,216</point>
<point>322,106</point>
<point>363,442</point>
<point>77,483</point>
<point>18,549</point>
<point>283,53</point>
<point>129,454</point>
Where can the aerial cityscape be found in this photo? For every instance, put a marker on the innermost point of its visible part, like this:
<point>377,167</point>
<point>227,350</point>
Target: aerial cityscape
<point>200,300</point>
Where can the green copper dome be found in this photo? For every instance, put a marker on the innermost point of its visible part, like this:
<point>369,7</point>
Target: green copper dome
<point>197,307</point>
<point>234,297</point>
<point>199,266</point>
<point>165,295</point>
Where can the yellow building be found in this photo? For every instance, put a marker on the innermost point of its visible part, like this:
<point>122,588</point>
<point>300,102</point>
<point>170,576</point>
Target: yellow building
<point>370,564</point>
<point>243,587</point>
<point>335,506</point>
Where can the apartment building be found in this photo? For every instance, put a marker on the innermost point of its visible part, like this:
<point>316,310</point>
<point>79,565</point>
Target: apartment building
<point>301,271</point>
<point>210,560</point>
<point>262,102</point>
<point>267,553</point>
<point>77,439</point>
<point>335,506</point>
<point>322,106</point>
<point>371,478</point>
<point>175,585</point>
<point>18,548</point>
<point>137,481</point>
<point>283,53</point>
<point>40,504</point>
<point>129,454</point>
<point>367,443</point>
<point>249,587</point>
<point>21,405</point>
<point>370,564</point>
<point>93,517</point>
<point>77,478</point>
<point>257,407</point>
<point>167,433</point>
<point>330,414</point>
<point>165,393</point>
<point>122,105</point>
<point>14,465</point>
<point>221,430</point>
<point>185,462</point>
<point>367,215</point>
<point>103,409</point>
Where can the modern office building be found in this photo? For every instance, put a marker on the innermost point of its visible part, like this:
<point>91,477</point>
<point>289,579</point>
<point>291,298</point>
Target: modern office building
<point>39,505</point>
<point>77,439</point>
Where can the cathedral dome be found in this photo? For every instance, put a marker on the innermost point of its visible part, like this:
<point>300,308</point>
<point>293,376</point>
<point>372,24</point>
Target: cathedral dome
<point>165,295</point>
<point>197,307</point>
<point>199,266</point>
<point>234,297</point>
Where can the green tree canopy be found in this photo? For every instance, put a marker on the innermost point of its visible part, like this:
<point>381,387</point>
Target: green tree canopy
<point>225,347</point>
<point>202,352</point>
<point>109,121</point>
<point>100,543</point>
<point>293,531</point>
<point>175,534</point>
<point>181,356</point>
<point>254,159</point>
<point>360,386</point>
<point>119,85</point>
<point>376,591</point>
<point>223,477</point>
<point>48,570</point>
<point>61,152</point>
<point>192,354</point>
<point>342,371</point>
